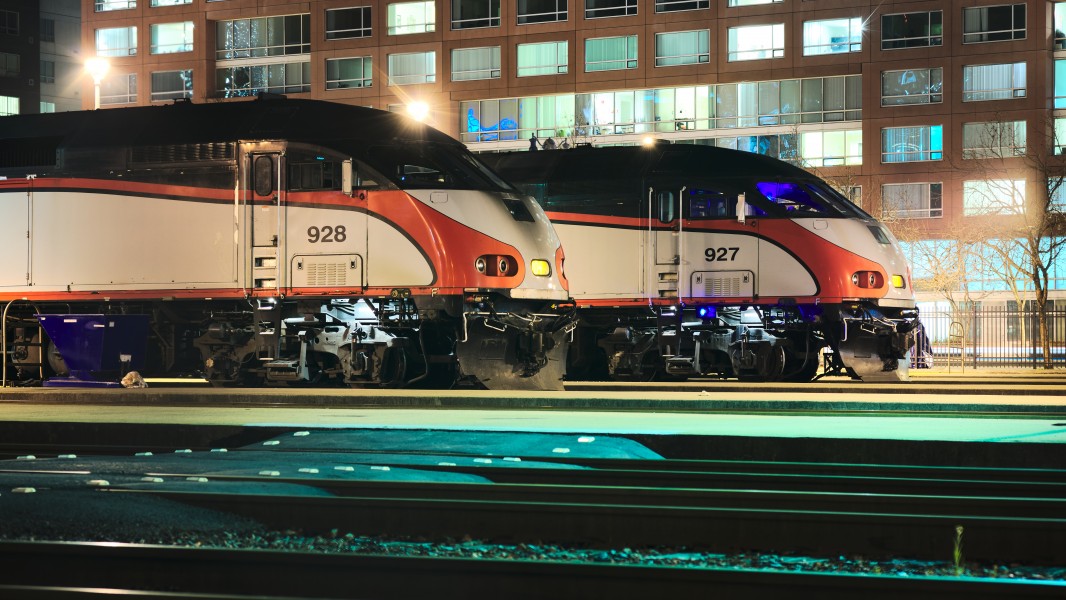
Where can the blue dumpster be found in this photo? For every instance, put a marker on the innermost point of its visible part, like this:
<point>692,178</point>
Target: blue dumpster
<point>98,349</point>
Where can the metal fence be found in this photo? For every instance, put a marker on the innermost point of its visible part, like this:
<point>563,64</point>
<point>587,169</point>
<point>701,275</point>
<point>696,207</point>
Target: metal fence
<point>979,337</point>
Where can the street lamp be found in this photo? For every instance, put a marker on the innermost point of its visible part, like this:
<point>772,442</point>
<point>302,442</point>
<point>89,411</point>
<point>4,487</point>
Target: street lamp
<point>418,110</point>
<point>97,68</point>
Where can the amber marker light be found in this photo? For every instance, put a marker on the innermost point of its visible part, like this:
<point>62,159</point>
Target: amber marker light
<point>540,268</point>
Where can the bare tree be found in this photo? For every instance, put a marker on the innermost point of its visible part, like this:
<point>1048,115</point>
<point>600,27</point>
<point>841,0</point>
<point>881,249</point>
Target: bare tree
<point>1015,195</point>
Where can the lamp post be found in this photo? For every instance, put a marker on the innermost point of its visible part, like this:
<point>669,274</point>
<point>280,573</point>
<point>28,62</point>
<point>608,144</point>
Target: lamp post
<point>418,110</point>
<point>97,68</point>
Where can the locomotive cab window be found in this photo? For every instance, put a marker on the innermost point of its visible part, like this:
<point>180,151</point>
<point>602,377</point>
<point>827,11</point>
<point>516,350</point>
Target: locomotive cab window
<point>263,173</point>
<point>315,175</point>
<point>711,204</point>
<point>794,198</point>
<point>665,206</point>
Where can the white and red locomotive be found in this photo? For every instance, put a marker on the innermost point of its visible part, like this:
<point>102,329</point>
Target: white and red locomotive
<point>693,260</point>
<point>279,241</point>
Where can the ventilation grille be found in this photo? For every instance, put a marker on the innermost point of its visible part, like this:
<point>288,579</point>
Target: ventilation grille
<point>28,153</point>
<point>723,284</point>
<point>721,287</point>
<point>327,274</point>
<point>170,153</point>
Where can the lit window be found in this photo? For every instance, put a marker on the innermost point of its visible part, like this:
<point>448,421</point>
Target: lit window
<point>473,14</point>
<point>832,36</point>
<point>912,86</point>
<point>547,58</point>
<point>263,36</point>
<point>752,2</point>
<point>682,48</point>
<point>1060,25</point>
<point>912,30</point>
<point>276,78</point>
<point>993,23</point>
<point>345,23</point>
<point>169,2</point>
<point>116,41</point>
<point>412,68</point>
<point>342,73</point>
<point>541,11</point>
<point>47,107</point>
<point>475,63</point>
<point>171,85</point>
<point>912,144</point>
<point>993,139</point>
<point>831,148</point>
<point>171,37</point>
<point>756,42</point>
<point>412,17</point>
<point>912,200</point>
<point>611,53</point>
<point>993,197</point>
<point>106,5</point>
<point>9,105</point>
<point>993,82</point>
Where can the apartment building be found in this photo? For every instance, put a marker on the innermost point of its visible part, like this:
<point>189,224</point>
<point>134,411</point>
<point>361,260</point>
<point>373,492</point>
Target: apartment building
<point>900,103</point>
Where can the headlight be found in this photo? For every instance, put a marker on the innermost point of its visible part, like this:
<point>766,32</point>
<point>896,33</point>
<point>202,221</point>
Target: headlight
<point>540,268</point>
<point>480,264</point>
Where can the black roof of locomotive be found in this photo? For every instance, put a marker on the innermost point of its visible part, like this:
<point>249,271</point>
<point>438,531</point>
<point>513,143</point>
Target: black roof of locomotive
<point>187,123</point>
<point>588,163</point>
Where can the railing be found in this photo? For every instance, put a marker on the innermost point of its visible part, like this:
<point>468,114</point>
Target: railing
<point>977,337</point>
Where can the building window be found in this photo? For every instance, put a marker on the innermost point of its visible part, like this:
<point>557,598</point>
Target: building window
<point>756,42</point>
<point>1060,84</point>
<point>752,2</point>
<point>9,23</point>
<point>48,30</point>
<point>119,89</point>
<point>116,41</point>
<point>830,148</point>
<point>412,68</point>
<point>993,82</point>
<point>171,85</point>
<point>912,200</point>
<point>832,36</point>
<point>169,2</point>
<point>263,36</point>
<point>682,48</point>
<point>412,17</point>
<point>611,53</point>
<point>993,139</point>
<point>1060,26</point>
<point>993,23</point>
<point>595,9</point>
<point>541,11</point>
<point>912,144</point>
<point>475,63</point>
<point>168,38</point>
<point>48,71</point>
<point>276,78</point>
<point>473,14</point>
<point>47,107</point>
<point>345,23</point>
<point>343,73</point>
<point>912,86</point>
<point>993,197</point>
<point>106,5</point>
<point>547,58</point>
<point>10,64</point>
<point>912,30</point>
<point>662,6</point>
<point>9,105</point>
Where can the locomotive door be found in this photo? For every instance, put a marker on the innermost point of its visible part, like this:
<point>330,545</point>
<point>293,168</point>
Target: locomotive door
<point>266,199</point>
<point>665,232</point>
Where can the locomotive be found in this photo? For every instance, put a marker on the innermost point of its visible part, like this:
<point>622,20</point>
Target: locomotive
<point>692,260</point>
<point>277,241</point>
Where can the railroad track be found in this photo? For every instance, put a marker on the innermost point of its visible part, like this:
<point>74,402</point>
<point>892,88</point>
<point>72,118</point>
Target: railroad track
<point>719,506</point>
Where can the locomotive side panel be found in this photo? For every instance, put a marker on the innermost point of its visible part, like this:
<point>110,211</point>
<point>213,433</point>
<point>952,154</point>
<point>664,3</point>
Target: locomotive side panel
<point>14,233</point>
<point>136,242</point>
<point>593,277</point>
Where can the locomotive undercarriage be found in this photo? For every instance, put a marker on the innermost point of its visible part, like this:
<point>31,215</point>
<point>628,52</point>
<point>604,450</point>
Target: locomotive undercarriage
<point>382,343</point>
<point>751,343</point>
